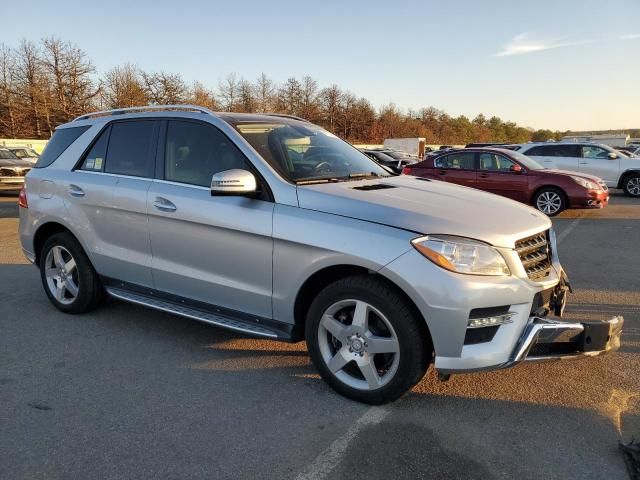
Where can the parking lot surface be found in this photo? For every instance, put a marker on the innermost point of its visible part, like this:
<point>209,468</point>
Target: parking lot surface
<point>127,392</point>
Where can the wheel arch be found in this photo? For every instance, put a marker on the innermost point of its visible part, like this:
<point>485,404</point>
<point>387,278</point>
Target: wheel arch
<point>626,174</point>
<point>549,186</point>
<point>327,275</point>
<point>45,231</point>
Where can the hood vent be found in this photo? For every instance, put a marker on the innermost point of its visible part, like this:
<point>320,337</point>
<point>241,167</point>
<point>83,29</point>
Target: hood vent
<point>376,186</point>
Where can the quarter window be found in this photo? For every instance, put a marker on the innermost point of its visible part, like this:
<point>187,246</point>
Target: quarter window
<point>195,151</point>
<point>130,148</point>
<point>94,160</point>
<point>461,161</point>
<point>61,140</point>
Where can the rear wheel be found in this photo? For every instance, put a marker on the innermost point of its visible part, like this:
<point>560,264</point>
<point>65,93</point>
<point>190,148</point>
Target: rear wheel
<point>67,275</point>
<point>365,340</point>
<point>550,201</point>
<point>631,185</point>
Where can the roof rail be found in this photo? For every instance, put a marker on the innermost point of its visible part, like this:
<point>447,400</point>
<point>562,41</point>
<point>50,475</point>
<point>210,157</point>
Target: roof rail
<point>149,108</point>
<point>284,115</point>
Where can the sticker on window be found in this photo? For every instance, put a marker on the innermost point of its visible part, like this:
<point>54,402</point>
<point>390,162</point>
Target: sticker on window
<point>98,164</point>
<point>90,163</point>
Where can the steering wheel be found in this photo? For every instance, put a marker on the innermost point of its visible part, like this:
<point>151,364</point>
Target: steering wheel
<point>322,166</point>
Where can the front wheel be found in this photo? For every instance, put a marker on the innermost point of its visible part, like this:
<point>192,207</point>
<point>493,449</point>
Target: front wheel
<point>365,340</point>
<point>631,185</point>
<point>550,201</point>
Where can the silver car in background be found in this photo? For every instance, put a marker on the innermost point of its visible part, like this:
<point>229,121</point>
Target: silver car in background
<point>272,226</point>
<point>12,170</point>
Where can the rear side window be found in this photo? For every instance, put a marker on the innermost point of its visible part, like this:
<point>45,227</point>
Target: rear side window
<point>554,151</point>
<point>461,161</point>
<point>129,151</point>
<point>61,140</point>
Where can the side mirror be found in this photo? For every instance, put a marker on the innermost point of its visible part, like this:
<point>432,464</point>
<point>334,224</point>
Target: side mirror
<point>234,182</point>
<point>612,155</point>
<point>515,168</point>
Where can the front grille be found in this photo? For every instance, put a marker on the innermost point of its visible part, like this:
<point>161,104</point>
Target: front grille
<point>535,255</point>
<point>13,172</point>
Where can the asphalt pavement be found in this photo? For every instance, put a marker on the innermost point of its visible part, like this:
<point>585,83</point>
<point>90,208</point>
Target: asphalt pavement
<point>127,392</point>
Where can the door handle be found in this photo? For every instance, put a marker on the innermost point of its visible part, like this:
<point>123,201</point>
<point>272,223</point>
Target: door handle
<point>164,205</point>
<point>75,191</point>
<point>584,163</point>
<point>442,172</point>
<point>484,175</point>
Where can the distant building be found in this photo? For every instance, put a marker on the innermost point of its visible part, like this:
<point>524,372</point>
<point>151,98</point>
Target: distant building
<point>613,140</point>
<point>37,145</point>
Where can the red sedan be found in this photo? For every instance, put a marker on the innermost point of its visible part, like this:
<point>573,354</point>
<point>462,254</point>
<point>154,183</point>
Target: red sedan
<point>511,174</point>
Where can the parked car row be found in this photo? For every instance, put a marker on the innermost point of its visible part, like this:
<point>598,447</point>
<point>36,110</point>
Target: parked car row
<point>12,170</point>
<point>271,226</point>
<point>514,175</point>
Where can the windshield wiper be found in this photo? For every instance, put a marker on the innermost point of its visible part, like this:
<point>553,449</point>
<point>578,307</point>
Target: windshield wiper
<point>312,180</point>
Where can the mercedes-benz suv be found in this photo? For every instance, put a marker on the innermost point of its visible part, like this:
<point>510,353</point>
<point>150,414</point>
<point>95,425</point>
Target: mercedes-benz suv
<point>274,227</point>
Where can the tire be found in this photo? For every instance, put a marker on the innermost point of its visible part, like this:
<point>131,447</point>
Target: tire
<point>631,185</point>
<point>342,351</point>
<point>550,201</point>
<point>71,289</point>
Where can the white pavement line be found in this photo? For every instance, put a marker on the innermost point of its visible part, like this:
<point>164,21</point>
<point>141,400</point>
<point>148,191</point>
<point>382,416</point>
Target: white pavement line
<point>568,230</point>
<point>324,463</point>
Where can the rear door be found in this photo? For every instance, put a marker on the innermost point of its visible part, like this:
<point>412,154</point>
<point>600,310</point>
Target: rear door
<point>595,161</point>
<point>457,167</point>
<point>214,249</point>
<point>107,195</point>
<point>495,176</point>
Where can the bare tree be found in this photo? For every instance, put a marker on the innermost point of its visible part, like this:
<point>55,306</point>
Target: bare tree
<point>8,120</point>
<point>123,87</point>
<point>164,88</point>
<point>200,95</point>
<point>264,94</point>
<point>229,92</point>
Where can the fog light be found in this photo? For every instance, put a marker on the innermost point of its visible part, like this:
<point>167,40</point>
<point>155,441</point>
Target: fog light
<point>491,321</point>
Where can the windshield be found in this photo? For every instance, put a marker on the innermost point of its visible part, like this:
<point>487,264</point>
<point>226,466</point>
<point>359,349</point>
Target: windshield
<point>528,162</point>
<point>25,153</point>
<point>7,155</point>
<point>305,152</point>
<point>394,154</point>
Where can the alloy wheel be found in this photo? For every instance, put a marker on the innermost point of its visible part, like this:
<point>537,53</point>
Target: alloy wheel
<point>633,186</point>
<point>549,202</point>
<point>61,274</point>
<point>358,344</point>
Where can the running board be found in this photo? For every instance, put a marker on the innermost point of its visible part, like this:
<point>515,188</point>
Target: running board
<point>193,313</point>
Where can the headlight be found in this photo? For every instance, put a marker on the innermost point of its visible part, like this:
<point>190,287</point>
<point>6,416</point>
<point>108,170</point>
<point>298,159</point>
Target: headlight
<point>586,183</point>
<point>462,255</point>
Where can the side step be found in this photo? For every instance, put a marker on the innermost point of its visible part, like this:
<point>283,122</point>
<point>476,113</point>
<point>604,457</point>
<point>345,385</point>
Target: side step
<point>195,314</point>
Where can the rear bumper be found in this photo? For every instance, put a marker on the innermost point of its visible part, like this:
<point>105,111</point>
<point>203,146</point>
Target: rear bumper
<point>546,339</point>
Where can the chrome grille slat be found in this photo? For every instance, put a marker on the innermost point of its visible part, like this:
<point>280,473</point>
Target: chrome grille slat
<point>535,255</point>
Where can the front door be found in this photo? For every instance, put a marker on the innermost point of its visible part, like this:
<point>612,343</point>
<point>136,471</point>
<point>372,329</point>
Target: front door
<point>495,175</point>
<point>214,249</point>
<point>595,161</point>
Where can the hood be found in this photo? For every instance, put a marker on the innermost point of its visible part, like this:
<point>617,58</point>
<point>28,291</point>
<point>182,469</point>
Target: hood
<point>586,176</point>
<point>427,207</point>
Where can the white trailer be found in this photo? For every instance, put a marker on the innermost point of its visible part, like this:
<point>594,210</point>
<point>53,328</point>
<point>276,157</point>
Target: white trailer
<point>412,146</point>
<point>613,140</point>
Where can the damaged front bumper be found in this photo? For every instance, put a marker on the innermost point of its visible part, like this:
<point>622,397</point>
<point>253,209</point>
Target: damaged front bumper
<point>546,339</point>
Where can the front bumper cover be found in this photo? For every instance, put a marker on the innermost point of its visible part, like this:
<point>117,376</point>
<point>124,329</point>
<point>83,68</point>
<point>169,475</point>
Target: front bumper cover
<point>546,339</point>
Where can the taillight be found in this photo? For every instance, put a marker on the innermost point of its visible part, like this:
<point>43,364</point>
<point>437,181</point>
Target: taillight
<point>406,171</point>
<point>22,198</point>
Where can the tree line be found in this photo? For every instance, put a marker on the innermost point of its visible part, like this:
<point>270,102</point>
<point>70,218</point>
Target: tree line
<point>46,83</point>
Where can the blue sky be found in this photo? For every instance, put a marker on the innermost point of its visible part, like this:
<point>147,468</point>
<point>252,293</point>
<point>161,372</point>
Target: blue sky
<point>563,64</point>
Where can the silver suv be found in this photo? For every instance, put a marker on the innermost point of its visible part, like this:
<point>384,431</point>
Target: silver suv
<point>271,226</point>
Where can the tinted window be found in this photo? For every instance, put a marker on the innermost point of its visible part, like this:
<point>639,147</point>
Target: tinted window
<point>590,151</point>
<point>129,149</point>
<point>195,151</point>
<point>495,163</point>
<point>460,160</point>
<point>94,160</point>
<point>60,141</point>
<point>7,154</point>
<point>554,151</point>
